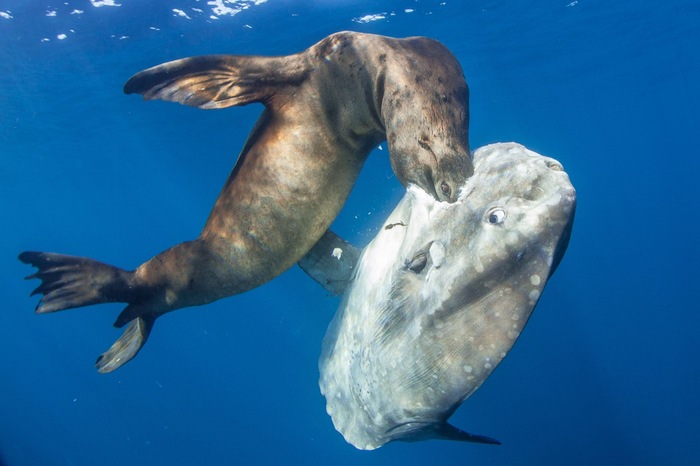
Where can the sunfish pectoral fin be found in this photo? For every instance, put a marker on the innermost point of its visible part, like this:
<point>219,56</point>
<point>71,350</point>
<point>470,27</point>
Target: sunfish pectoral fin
<point>331,262</point>
<point>127,346</point>
<point>219,81</point>
<point>449,432</point>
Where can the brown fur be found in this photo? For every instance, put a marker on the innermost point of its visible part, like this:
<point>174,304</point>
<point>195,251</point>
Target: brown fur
<point>325,109</point>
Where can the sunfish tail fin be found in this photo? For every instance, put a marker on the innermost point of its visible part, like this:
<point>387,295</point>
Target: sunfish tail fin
<point>219,81</point>
<point>69,281</point>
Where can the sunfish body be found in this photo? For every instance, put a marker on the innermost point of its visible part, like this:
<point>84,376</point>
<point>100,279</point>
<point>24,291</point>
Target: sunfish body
<point>439,297</point>
<point>326,108</point>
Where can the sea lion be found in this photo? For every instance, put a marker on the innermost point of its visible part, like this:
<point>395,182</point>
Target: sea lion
<point>326,108</point>
<point>439,297</point>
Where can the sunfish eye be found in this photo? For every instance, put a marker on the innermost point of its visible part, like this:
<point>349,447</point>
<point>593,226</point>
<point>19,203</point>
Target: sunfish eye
<point>496,215</point>
<point>445,189</point>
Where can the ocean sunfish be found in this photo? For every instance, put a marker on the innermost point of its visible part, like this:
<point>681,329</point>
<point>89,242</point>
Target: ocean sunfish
<point>439,296</point>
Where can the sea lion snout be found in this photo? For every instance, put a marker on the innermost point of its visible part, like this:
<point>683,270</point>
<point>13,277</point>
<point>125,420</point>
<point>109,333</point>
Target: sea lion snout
<point>443,185</point>
<point>440,173</point>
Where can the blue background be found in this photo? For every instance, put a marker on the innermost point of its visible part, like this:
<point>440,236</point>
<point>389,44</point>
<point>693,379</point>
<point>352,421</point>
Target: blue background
<point>607,370</point>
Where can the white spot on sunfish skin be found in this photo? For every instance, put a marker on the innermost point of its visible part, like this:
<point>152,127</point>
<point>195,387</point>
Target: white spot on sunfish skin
<point>437,253</point>
<point>467,369</point>
<point>337,253</point>
<point>535,279</point>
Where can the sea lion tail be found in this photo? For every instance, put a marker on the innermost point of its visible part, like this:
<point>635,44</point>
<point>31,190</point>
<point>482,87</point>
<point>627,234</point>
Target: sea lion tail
<point>219,81</point>
<point>69,281</point>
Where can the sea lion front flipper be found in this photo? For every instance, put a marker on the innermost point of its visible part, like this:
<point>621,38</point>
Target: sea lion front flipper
<point>331,262</point>
<point>219,81</point>
<point>127,346</point>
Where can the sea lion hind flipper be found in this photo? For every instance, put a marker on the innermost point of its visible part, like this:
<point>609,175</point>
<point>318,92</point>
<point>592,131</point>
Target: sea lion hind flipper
<point>219,81</point>
<point>127,346</point>
<point>69,281</point>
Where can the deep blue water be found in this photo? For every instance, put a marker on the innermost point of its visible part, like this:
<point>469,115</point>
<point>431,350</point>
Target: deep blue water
<point>607,370</point>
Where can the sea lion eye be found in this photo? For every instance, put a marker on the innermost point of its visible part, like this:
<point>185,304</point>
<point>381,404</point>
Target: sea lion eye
<point>496,215</point>
<point>445,189</point>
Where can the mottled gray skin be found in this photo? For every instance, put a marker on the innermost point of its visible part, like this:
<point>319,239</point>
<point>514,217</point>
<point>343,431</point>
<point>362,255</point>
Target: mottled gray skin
<point>439,297</point>
<point>325,109</point>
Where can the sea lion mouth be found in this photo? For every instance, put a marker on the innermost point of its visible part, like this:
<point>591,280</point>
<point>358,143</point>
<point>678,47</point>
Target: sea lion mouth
<point>431,187</point>
<point>441,190</point>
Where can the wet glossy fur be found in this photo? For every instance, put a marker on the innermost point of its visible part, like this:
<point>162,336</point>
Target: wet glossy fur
<point>325,109</point>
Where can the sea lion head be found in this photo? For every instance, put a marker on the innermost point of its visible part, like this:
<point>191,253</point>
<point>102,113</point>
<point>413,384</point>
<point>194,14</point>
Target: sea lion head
<point>425,107</point>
